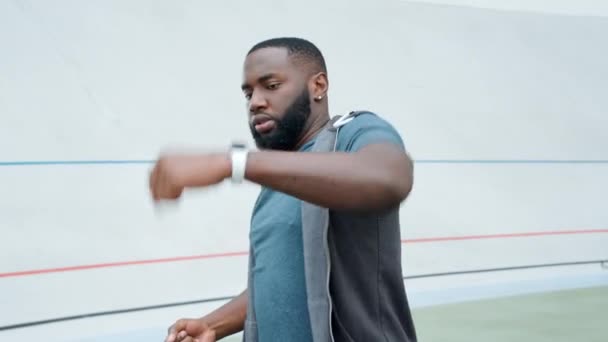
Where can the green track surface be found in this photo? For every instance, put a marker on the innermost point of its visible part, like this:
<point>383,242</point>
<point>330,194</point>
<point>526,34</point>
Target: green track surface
<point>575,315</point>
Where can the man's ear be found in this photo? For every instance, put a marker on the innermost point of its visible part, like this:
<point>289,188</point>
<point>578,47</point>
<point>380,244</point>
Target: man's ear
<point>319,86</point>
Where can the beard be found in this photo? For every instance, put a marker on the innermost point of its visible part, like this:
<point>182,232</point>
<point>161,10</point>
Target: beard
<point>288,130</point>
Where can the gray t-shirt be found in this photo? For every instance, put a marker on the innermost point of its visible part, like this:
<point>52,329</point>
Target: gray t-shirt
<point>276,238</point>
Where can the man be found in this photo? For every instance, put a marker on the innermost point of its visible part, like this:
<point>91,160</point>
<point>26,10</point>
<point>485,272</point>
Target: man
<point>362,183</point>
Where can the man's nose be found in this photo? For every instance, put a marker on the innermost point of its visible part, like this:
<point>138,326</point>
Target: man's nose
<point>257,103</point>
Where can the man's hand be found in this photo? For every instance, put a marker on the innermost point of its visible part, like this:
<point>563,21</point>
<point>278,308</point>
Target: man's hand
<point>174,172</point>
<point>190,330</point>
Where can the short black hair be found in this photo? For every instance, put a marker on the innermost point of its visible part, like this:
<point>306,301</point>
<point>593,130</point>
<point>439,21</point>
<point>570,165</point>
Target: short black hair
<point>297,48</point>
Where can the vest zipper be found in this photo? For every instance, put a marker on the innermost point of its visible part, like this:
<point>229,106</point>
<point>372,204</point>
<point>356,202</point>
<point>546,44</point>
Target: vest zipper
<point>326,245</point>
<point>328,260</point>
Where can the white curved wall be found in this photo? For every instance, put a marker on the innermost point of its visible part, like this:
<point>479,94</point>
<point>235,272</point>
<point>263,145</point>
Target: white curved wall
<point>115,80</point>
<point>567,7</point>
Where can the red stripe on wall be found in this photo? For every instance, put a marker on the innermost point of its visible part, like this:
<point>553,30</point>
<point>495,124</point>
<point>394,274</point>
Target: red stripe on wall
<point>245,253</point>
<point>505,236</point>
<point>121,263</point>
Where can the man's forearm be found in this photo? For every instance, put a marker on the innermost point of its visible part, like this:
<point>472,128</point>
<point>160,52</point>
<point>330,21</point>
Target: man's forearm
<point>376,178</point>
<point>229,318</point>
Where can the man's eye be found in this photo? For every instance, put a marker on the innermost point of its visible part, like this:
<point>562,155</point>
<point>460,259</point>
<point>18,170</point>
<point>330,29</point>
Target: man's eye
<point>248,96</point>
<point>273,86</point>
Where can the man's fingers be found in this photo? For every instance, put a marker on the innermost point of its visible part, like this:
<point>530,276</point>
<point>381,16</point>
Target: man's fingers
<point>154,183</point>
<point>208,336</point>
<point>174,329</point>
<point>176,337</point>
<point>182,336</point>
<point>163,187</point>
<point>159,185</point>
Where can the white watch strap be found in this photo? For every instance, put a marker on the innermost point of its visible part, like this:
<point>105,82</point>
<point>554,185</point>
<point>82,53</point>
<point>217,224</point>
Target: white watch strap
<point>239,161</point>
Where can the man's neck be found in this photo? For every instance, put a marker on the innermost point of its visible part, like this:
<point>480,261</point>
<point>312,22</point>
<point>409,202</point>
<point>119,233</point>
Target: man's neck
<point>315,126</point>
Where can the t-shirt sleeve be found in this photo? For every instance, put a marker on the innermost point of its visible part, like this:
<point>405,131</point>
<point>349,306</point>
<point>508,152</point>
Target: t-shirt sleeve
<point>366,129</point>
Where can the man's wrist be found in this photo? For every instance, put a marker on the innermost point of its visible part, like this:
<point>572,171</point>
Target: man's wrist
<point>221,327</point>
<point>238,162</point>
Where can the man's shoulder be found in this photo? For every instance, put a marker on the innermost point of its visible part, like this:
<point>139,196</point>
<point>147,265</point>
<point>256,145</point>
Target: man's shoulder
<point>365,116</point>
<point>364,127</point>
<point>366,119</point>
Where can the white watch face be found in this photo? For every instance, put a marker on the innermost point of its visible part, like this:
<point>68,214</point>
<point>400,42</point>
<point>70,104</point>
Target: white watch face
<point>239,146</point>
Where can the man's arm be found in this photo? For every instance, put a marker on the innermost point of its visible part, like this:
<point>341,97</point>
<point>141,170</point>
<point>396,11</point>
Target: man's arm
<point>226,320</point>
<point>375,177</point>
<point>230,317</point>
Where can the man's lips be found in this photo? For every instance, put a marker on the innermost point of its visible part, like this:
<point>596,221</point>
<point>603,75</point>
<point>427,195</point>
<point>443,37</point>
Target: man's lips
<point>263,123</point>
<point>265,127</point>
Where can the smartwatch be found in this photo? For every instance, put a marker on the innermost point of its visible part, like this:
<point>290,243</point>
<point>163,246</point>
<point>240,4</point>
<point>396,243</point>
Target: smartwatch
<point>238,158</point>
